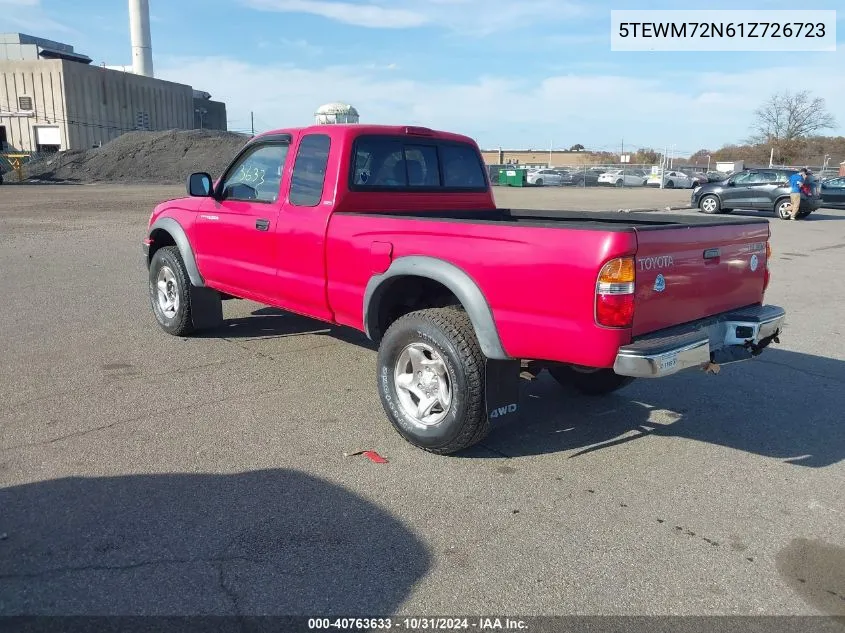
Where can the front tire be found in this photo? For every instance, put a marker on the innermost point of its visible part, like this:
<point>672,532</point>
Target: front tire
<point>710,204</point>
<point>170,292</point>
<point>431,380</point>
<point>592,383</point>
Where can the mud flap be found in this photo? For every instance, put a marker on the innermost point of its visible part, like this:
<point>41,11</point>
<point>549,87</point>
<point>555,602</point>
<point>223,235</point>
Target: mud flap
<point>206,308</point>
<point>501,394</point>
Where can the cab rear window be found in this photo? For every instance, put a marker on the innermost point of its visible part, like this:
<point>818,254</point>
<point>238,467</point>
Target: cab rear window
<point>412,164</point>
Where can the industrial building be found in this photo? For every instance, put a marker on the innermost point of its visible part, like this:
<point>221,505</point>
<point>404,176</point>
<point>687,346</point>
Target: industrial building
<point>53,99</point>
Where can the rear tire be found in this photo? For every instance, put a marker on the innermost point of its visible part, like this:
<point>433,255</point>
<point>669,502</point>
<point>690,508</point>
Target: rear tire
<point>170,292</point>
<point>710,204</point>
<point>670,184</point>
<point>783,209</point>
<point>594,383</point>
<point>434,355</point>
<point>619,183</point>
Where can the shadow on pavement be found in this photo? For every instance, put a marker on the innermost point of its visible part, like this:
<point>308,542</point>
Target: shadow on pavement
<point>272,542</point>
<point>783,404</point>
<point>822,214</point>
<point>275,323</point>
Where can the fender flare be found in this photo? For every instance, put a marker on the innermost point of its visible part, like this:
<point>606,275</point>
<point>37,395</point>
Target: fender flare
<point>179,236</point>
<point>455,279</point>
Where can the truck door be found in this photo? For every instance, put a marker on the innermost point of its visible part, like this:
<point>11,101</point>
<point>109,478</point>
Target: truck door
<point>235,233</point>
<point>302,226</point>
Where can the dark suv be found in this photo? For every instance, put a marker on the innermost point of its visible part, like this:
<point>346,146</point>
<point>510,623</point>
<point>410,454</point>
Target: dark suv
<point>763,189</point>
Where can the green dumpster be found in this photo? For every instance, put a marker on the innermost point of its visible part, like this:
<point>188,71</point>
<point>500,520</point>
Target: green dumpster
<point>512,177</point>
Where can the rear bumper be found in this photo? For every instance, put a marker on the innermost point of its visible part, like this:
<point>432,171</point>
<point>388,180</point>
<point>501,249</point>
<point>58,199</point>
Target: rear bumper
<point>726,338</point>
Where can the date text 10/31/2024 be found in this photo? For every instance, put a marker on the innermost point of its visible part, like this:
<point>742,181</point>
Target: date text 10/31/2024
<point>418,624</point>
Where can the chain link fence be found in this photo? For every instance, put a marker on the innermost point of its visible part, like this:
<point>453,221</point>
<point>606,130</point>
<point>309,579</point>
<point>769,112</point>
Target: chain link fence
<point>16,166</point>
<point>601,175</point>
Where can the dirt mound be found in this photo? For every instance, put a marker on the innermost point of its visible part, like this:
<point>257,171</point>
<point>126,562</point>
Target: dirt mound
<point>140,157</point>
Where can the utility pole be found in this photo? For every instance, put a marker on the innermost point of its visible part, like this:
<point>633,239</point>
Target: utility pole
<point>622,158</point>
<point>252,122</point>
<point>551,144</point>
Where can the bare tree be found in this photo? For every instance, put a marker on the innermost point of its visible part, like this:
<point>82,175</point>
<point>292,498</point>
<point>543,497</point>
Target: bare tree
<point>786,119</point>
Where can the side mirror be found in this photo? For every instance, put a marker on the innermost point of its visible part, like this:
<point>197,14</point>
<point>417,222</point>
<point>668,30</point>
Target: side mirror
<point>200,185</point>
<point>824,185</point>
<point>731,182</point>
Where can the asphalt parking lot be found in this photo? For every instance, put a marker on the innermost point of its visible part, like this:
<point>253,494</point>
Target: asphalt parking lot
<point>146,474</point>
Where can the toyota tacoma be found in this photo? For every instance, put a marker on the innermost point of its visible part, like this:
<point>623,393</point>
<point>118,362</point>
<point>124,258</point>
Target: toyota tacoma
<point>394,231</point>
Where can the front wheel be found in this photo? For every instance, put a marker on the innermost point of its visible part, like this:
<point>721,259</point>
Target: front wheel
<point>710,204</point>
<point>598,382</point>
<point>170,292</point>
<point>431,380</point>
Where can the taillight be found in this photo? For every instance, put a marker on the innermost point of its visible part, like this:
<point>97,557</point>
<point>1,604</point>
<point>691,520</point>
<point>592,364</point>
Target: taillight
<point>767,274</point>
<point>615,293</point>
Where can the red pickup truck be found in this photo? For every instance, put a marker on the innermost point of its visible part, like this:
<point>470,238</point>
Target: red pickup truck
<point>394,231</point>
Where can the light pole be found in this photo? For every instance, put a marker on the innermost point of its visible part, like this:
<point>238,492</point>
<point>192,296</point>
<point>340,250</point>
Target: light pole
<point>708,162</point>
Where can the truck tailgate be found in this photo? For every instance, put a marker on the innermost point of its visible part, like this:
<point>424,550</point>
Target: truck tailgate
<point>685,273</point>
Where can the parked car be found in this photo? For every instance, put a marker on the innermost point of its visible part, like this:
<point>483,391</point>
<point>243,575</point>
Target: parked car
<point>763,189</point>
<point>542,177</point>
<point>619,178</point>
<point>582,178</point>
<point>671,180</point>
<point>394,231</point>
<point>833,193</point>
<point>697,177</point>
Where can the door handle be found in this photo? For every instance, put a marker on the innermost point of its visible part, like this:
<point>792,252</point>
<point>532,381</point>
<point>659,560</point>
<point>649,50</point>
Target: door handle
<point>262,225</point>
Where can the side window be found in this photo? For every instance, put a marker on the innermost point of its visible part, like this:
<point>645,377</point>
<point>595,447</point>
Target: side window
<point>257,175</point>
<point>309,170</point>
<point>760,177</point>
<point>461,168</point>
<point>743,178</point>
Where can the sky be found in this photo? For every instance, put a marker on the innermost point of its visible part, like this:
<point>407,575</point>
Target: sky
<point>516,74</point>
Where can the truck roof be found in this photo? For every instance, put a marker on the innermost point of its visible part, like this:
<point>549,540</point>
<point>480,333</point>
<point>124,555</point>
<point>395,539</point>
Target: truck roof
<point>347,131</point>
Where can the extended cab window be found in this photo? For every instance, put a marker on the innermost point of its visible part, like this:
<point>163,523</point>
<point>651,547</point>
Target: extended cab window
<point>257,175</point>
<point>309,170</point>
<point>383,162</point>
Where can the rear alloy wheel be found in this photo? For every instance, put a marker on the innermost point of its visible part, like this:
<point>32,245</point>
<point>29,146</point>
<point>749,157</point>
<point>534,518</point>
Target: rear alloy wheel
<point>597,382</point>
<point>539,182</point>
<point>670,184</point>
<point>431,380</point>
<point>783,209</point>
<point>710,204</point>
<point>619,183</point>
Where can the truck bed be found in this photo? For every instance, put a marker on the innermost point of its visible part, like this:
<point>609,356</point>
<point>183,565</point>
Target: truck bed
<point>585,220</point>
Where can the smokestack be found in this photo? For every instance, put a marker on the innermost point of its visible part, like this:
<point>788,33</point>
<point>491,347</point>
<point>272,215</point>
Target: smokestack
<point>142,45</point>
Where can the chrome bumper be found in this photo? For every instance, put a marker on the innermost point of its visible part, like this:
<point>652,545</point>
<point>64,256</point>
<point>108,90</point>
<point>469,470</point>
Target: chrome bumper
<point>726,338</point>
